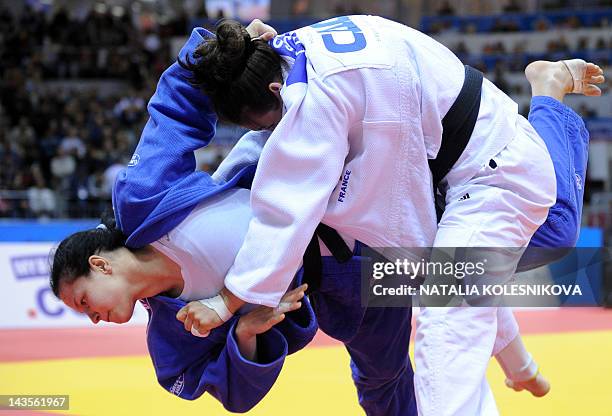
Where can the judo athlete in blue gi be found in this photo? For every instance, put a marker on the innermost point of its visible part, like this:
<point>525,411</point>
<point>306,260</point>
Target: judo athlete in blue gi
<point>368,116</point>
<point>159,200</point>
<point>160,186</point>
<point>94,273</point>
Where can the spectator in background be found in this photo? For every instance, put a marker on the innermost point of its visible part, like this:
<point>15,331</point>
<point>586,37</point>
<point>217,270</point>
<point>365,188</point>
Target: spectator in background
<point>542,24</point>
<point>446,9</point>
<point>41,199</point>
<point>300,7</point>
<point>586,111</point>
<point>22,137</point>
<point>10,162</point>
<point>96,187</point>
<point>94,127</point>
<point>555,4</point>
<point>110,174</point>
<point>151,44</point>
<point>23,179</point>
<point>63,165</point>
<point>73,144</point>
<point>129,108</point>
<point>461,49</point>
<point>562,45</point>
<point>506,24</point>
<point>499,78</point>
<point>572,22</point>
<point>513,6</point>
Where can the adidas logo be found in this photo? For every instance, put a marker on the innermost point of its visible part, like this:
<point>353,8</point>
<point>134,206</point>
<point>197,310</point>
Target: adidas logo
<point>578,181</point>
<point>464,197</point>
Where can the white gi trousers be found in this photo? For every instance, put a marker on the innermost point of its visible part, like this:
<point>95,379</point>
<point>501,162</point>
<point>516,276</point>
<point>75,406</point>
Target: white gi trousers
<point>508,200</point>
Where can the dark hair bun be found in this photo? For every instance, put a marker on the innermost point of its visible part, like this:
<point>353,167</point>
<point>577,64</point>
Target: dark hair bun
<point>234,71</point>
<point>233,39</point>
<point>234,47</point>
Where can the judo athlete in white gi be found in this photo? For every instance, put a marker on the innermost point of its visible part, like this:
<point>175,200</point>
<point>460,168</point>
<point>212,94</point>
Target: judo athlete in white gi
<point>95,273</point>
<point>161,178</point>
<point>179,232</point>
<point>364,99</point>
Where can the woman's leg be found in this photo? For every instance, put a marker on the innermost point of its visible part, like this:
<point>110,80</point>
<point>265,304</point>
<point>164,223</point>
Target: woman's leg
<point>454,344</point>
<point>567,141</point>
<point>380,364</point>
<point>521,370</point>
<point>504,210</point>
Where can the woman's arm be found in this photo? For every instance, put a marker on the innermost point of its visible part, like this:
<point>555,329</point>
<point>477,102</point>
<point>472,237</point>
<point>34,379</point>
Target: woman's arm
<point>263,318</point>
<point>224,372</point>
<point>189,366</point>
<point>181,120</point>
<point>298,170</point>
<point>245,152</point>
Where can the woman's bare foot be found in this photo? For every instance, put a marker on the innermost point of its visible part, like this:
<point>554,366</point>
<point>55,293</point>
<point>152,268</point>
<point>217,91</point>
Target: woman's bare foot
<point>556,79</point>
<point>538,385</point>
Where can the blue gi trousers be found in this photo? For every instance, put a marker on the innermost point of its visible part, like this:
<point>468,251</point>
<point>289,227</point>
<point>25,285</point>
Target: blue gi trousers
<point>567,140</point>
<point>377,339</point>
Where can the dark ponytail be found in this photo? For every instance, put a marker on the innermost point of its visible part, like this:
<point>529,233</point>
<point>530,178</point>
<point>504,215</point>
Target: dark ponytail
<point>71,258</point>
<point>235,72</point>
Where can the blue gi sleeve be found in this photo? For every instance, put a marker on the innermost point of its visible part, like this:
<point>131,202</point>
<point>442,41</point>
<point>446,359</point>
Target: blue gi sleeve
<point>189,366</point>
<point>239,384</point>
<point>181,120</point>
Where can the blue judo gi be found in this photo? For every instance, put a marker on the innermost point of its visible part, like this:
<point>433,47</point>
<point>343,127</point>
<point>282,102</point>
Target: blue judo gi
<point>377,340</point>
<point>160,187</point>
<point>157,191</point>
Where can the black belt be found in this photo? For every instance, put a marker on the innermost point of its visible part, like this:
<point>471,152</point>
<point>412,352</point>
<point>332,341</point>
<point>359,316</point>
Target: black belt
<point>457,127</point>
<point>313,265</point>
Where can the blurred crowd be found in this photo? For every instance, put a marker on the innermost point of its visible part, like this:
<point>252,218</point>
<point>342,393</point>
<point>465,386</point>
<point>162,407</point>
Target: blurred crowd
<point>511,21</point>
<point>62,143</point>
<point>100,45</point>
<point>57,139</point>
<point>498,58</point>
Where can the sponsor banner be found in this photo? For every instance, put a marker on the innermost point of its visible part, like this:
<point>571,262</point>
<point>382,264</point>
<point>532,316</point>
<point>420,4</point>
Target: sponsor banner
<point>26,300</point>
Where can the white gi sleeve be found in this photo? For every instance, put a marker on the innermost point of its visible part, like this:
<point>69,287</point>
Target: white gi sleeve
<point>245,152</point>
<point>298,169</point>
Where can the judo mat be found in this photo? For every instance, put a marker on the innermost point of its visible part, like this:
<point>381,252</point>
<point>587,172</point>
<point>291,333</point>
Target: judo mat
<point>106,371</point>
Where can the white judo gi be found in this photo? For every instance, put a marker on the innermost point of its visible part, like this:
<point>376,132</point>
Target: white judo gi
<point>352,151</point>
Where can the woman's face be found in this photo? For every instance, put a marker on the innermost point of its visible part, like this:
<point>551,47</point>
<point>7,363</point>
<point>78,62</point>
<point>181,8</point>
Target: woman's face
<point>103,295</point>
<point>267,120</point>
<point>262,121</point>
